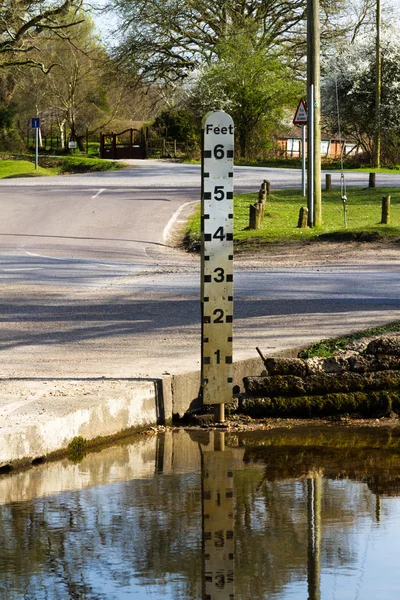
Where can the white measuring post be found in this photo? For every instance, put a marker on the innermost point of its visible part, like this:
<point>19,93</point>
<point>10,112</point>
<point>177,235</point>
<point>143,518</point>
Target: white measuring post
<point>217,261</point>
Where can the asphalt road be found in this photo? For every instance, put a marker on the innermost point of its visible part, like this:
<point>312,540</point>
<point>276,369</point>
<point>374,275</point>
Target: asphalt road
<point>91,284</point>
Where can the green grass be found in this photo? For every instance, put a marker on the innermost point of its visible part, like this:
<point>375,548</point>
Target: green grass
<point>22,168</point>
<point>281,217</point>
<point>55,165</point>
<point>72,164</point>
<point>329,346</point>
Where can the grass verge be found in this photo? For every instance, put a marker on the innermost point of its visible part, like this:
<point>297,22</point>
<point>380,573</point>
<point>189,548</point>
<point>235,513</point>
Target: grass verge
<point>327,165</point>
<point>281,216</point>
<point>329,346</point>
<point>53,165</point>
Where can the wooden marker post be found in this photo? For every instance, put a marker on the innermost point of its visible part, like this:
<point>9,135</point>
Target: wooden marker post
<point>217,261</point>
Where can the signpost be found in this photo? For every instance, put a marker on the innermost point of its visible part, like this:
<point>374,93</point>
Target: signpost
<point>217,261</point>
<point>301,119</point>
<point>35,124</point>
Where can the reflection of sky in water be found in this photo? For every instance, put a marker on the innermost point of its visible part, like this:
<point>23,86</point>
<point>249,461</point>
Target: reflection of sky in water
<point>142,538</point>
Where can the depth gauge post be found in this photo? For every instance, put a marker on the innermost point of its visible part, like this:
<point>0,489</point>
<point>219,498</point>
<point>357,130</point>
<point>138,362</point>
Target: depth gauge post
<point>217,261</point>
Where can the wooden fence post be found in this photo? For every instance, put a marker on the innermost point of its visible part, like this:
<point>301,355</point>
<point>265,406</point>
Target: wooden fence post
<point>372,180</point>
<point>267,185</point>
<point>255,216</point>
<point>303,218</point>
<point>385,210</point>
<point>328,181</point>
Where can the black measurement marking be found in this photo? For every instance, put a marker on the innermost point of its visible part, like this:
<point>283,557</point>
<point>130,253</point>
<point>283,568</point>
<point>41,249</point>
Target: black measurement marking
<point>229,494</point>
<point>206,258</point>
<point>229,535</point>
<point>229,195</point>
<point>229,237</point>
<point>207,195</point>
<point>230,216</point>
<point>206,174</point>
<point>206,216</point>
<point>205,340</point>
<point>207,237</point>
<point>229,474</point>
<point>206,299</point>
<point>229,339</point>
<point>229,175</point>
<point>207,360</point>
<point>228,360</point>
<point>205,381</point>
<point>230,257</point>
<point>229,154</point>
<point>229,277</point>
<point>207,278</point>
<point>207,154</point>
<point>206,320</point>
<point>229,318</point>
<point>230,298</point>
<point>230,379</point>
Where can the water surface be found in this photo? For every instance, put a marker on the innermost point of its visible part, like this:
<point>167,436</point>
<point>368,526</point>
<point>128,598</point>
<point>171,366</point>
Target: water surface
<point>280,514</point>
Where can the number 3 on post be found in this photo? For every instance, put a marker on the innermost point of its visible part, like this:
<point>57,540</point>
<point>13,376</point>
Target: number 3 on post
<point>217,258</point>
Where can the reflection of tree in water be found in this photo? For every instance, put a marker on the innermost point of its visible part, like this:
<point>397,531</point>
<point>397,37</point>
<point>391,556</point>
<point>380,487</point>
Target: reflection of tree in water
<point>34,535</point>
<point>70,544</point>
<point>149,531</point>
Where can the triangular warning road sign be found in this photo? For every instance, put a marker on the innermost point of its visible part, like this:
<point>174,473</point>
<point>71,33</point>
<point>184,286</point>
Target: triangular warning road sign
<point>301,117</point>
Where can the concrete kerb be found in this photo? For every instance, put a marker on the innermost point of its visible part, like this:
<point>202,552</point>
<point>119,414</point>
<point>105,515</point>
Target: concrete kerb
<point>39,417</point>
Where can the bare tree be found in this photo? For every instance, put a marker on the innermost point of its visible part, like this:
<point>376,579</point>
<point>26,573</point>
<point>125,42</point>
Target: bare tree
<point>24,23</point>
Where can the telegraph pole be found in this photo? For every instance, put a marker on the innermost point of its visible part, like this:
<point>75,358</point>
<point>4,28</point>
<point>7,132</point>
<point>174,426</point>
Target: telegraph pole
<point>314,107</point>
<point>378,88</point>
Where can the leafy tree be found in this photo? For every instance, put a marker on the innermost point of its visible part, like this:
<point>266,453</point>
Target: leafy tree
<point>352,81</point>
<point>178,124</point>
<point>168,39</point>
<point>253,85</point>
<point>82,91</point>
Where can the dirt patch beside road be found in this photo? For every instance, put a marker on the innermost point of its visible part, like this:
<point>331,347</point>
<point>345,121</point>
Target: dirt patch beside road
<point>321,254</point>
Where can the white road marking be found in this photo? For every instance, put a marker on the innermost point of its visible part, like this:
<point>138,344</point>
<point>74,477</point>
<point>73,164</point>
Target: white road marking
<point>174,217</point>
<point>83,261</point>
<point>101,190</point>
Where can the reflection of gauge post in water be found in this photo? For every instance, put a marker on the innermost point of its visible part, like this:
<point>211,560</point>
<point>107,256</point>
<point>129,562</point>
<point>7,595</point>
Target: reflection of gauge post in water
<point>217,259</point>
<point>217,518</point>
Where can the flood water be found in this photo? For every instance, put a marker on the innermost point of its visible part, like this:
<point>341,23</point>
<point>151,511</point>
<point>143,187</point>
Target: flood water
<point>279,514</point>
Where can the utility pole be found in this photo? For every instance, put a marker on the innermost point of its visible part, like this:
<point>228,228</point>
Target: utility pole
<point>314,106</point>
<point>378,88</point>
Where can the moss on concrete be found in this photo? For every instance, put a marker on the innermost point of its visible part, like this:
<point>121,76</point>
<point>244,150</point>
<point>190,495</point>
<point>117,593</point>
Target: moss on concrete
<point>365,404</point>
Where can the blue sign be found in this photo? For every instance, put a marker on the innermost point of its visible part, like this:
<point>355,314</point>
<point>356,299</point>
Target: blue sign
<point>35,122</point>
